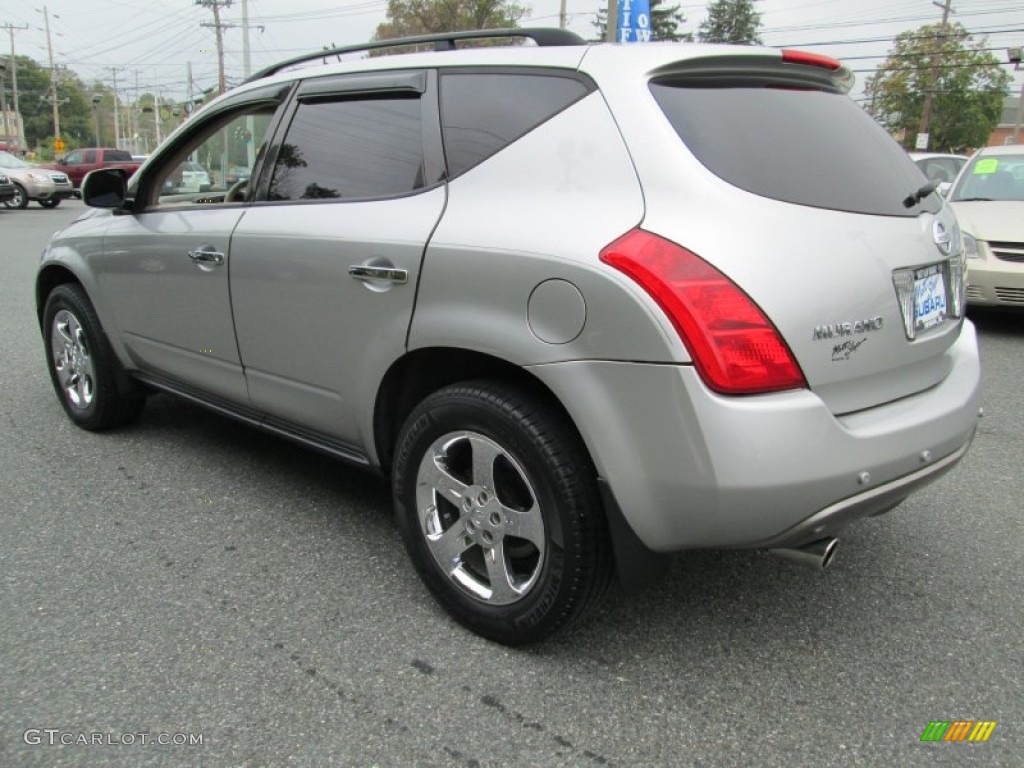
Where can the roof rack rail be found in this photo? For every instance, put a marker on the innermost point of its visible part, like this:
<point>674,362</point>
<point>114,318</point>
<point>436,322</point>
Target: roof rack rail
<point>443,41</point>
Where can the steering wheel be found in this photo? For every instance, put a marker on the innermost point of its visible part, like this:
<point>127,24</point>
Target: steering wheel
<point>234,193</point>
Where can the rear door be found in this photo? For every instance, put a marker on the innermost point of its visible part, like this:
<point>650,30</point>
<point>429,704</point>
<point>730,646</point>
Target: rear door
<point>325,263</point>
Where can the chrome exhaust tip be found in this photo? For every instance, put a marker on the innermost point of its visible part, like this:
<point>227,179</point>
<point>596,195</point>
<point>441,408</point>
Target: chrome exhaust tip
<point>818,554</point>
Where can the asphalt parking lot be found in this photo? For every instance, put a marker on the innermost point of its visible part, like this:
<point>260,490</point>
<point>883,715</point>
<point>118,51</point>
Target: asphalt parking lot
<point>189,578</point>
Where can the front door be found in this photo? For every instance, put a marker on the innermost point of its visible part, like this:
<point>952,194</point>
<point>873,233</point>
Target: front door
<point>167,265</point>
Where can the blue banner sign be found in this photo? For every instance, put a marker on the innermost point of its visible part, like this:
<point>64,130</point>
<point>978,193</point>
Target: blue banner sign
<point>634,21</point>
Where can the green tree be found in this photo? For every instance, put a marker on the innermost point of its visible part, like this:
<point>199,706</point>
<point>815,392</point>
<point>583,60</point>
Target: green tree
<point>665,23</point>
<point>420,17</point>
<point>967,82</point>
<point>731,21</point>
<point>76,123</point>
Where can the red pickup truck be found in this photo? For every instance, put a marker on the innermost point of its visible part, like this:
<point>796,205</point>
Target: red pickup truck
<point>79,162</point>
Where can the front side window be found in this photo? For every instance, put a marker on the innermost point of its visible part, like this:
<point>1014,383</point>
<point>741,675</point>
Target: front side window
<point>351,148</point>
<point>88,156</point>
<point>216,165</point>
<point>73,157</point>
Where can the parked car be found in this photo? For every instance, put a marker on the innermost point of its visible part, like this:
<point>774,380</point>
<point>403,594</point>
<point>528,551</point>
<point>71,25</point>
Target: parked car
<point>192,177</point>
<point>7,189</point>
<point>939,167</point>
<point>988,198</point>
<point>31,182</point>
<point>77,163</point>
<point>561,295</point>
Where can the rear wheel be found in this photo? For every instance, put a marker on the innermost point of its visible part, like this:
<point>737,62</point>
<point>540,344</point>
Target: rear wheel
<point>83,368</point>
<point>497,505</point>
<point>52,203</point>
<point>20,199</point>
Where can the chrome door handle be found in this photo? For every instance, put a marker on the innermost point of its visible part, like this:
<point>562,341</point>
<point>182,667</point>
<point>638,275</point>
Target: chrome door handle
<point>203,256</point>
<point>363,272</point>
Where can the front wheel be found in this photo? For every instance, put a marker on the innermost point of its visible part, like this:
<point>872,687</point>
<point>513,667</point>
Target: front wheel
<point>52,203</point>
<point>497,504</point>
<point>83,367</point>
<point>20,199</point>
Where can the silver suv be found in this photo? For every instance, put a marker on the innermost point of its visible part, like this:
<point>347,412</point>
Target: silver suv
<point>586,306</point>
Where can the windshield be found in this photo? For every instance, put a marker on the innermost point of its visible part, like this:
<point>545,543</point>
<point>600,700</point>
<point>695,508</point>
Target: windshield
<point>991,177</point>
<point>7,160</point>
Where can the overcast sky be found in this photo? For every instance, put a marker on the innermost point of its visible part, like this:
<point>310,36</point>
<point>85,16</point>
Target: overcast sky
<point>152,40</point>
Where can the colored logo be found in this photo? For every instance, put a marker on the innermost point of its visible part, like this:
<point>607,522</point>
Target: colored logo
<point>958,730</point>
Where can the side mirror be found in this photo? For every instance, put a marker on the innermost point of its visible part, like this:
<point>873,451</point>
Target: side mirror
<point>105,188</point>
<point>61,160</point>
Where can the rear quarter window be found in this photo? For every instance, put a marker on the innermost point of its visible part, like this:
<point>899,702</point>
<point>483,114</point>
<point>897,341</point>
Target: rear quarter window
<point>808,147</point>
<point>482,113</point>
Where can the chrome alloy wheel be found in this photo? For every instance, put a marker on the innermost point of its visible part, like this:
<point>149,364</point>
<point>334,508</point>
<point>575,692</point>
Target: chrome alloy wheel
<point>480,516</point>
<point>72,360</point>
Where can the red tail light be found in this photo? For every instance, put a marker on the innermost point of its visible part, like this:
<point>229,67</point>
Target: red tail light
<point>733,344</point>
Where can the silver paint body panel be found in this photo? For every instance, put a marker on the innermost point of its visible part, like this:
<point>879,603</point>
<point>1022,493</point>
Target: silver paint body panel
<point>689,468</point>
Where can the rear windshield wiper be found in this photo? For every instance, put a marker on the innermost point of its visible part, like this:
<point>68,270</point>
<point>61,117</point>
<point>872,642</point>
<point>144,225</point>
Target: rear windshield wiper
<point>921,194</point>
<point>974,199</point>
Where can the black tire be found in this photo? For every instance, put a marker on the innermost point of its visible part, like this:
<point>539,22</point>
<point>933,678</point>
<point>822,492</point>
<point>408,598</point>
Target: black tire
<point>20,200</point>
<point>88,379</point>
<point>53,203</point>
<point>539,471</point>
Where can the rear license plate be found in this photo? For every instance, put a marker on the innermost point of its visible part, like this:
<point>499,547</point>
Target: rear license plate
<point>929,297</point>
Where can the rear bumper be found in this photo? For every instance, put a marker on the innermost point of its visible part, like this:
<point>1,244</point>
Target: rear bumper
<point>690,468</point>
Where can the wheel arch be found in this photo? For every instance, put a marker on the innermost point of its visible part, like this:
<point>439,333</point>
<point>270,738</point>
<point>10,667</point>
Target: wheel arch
<point>49,278</point>
<point>420,372</point>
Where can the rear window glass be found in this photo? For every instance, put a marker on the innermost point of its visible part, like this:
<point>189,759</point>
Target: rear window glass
<point>807,147</point>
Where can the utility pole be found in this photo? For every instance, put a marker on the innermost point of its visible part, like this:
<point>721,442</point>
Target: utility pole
<point>3,104</point>
<point>216,5</point>
<point>562,15</point>
<point>53,76</point>
<point>246,59</point>
<point>117,109</point>
<point>18,132</point>
<point>156,116</point>
<point>926,112</point>
<point>612,27</point>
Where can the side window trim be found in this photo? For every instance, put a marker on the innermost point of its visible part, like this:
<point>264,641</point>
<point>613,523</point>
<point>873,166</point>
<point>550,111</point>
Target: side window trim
<point>423,82</point>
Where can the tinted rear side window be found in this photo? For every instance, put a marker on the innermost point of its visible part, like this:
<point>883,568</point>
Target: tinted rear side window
<point>351,148</point>
<point>483,113</point>
<point>117,155</point>
<point>801,146</point>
